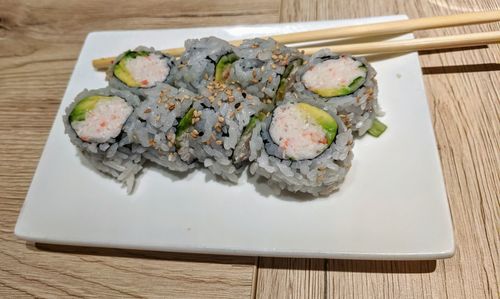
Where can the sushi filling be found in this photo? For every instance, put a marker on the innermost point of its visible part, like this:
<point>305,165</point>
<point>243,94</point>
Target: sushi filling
<point>302,131</point>
<point>142,69</point>
<point>99,118</point>
<point>335,77</point>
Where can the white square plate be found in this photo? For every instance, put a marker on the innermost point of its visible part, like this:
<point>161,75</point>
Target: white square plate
<point>392,205</point>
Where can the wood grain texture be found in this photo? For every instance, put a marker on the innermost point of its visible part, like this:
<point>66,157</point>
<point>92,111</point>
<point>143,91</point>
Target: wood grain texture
<point>39,44</point>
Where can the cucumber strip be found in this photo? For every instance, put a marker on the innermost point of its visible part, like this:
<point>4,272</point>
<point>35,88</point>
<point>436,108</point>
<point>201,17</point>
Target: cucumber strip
<point>242,149</point>
<point>184,124</point>
<point>223,65</point>
<point>377,128</point>
<point>280,92</point>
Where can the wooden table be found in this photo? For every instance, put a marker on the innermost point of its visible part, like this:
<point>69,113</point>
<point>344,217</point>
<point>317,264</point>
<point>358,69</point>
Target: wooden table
<point>39,44</point>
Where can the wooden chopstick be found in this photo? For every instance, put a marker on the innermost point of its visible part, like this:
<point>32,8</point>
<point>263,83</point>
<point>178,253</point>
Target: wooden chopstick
<point>429,43</point>
<point>391,27</point>
<point>377,29</point>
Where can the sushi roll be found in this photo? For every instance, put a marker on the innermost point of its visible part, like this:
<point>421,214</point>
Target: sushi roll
<point>211,131</point>
<point>302,147</point>
<point>140,69</point>
<point>346,83</point>
<point>95,123</point>
<point>262,67</point>
<point>197,66</point>
<point>154,123</point>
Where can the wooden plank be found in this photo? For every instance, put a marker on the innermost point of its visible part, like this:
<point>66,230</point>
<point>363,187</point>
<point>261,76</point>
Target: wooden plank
<point>290,278</point>
<point>39,44</point>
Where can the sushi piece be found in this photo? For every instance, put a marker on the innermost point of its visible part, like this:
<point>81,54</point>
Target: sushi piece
<point>302,147</point>
<point>197,66</point>
<point>140,69</point>
<point>344,82</point>
<point>211,130</point>
<point>95,123</point>
<point>154,123</point>
<point>263,67</point>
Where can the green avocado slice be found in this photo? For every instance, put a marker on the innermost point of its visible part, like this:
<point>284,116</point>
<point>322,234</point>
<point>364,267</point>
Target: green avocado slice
<point>184,124</point>
<point>85,105</point>
<point>325,120</point>
<point>121,71</point>
<point>223,66</point>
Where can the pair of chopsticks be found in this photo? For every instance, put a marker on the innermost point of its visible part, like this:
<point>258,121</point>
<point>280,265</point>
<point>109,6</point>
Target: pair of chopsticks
<point>380,29</point>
